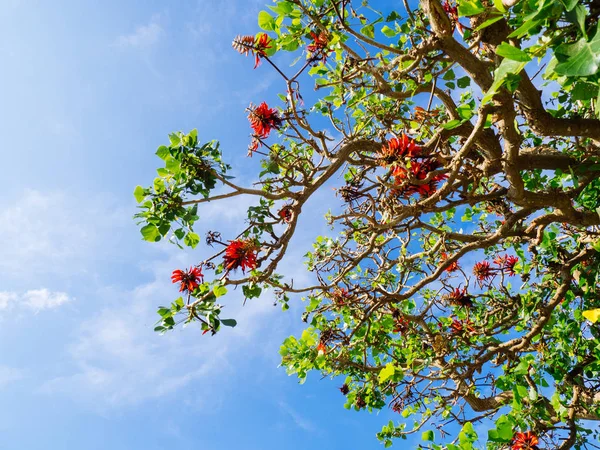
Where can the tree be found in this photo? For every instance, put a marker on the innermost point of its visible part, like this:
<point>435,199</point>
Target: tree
<point>460,281</point>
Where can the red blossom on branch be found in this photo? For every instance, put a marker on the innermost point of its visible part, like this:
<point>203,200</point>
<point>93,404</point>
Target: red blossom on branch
<point>452,267</point>
<point>460,326</point>
<point>340,295</point>
<point>418,170</point>
<point>189,279</point>
<point>399,148</point>
<point>319,44</point>
<point>263,119</point>
<point>460,297</point>
<point>507,263</point>
<point>286,214</point>
<point>240,253</point>
<point>256,45</point>
<point>483,271</point>
<point>525,441</point>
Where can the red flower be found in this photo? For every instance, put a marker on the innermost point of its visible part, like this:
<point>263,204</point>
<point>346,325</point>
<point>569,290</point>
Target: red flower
<point>507,263</point>
<point>419,171</point>
<point>399,148</point>
<point>286,214</point>
<point>263,119</point>
<point>189,279</point>
<point>253,146</point>
<point>319,45</point>
<point>344,389</point>
<point>249,44</point>
<point>460,297</point>
<point>401,325</point>
<point>452,267</point>
<point>340,295</point>
<point>460,326</point>
<point>261,44</point>
<point>483,271</point>
<point>240,253</point>
<point>321,348</point>
<point>452,12</point>
<point>525,441</point>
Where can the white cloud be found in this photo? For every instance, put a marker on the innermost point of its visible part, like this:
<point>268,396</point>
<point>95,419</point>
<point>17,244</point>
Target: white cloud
<point>48,233</point>
<point>300,421</point>
<point>9,375</point>
<point>144,35</point>
<point>40,299</point>
<point>35,300</point>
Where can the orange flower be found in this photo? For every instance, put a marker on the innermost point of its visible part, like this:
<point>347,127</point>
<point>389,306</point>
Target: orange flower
<point>321,348</point>
<point>189,279</point>
<point>525,441</point>
<point>263,119</point>
<point>399,148</point>
<point>249,44</point>
<point>507,263</point>
<point>483,271</point>
<point>261,44</point>
<point>240,253</point>
<point>460,297</point>
<point>419,171</point>
<point>452,267</point>
<point>319,45</point>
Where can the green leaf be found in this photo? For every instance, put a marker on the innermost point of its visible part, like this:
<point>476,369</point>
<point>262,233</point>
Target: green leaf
<point>499,6</point>
<point>229,322</point>
<point>266,21</point>
<point>584,91</point>
<point>523,29</point>
<point>452,124</point>
<point>219,291</point>
<point>387,372</point>
<point>463,82</point>
<point>508,51</point>
<point>150,233</point>
<point>191,240</point>
<point>427,435</point>
<point>468,8</point>
<point>507,67</point>
<point>569,4</point>
<point>368,31</point>
<point>579,59</point>
<point>163,152</point>
<point>489,22</point>
<point>388,31</point>
<point>139,194</point>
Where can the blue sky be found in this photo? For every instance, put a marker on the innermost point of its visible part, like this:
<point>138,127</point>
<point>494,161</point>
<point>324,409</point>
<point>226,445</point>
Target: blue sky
<point>89,90</point>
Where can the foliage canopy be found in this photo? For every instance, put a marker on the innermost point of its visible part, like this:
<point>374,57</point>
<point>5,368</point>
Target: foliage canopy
<point>460,282</point>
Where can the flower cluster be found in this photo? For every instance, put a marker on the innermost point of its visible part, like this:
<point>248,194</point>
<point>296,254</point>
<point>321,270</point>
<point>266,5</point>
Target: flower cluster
<point>262,120</point>
<point>452,267</point>
<point>258,46</point>
<point>340,296</point>
<point>419,171</point>
<point>397,149</point>
<point>408,166</point>
<point>483,271</point>
<point>189,279</point>
<point>525,441</point>
<point>461,326</point>
<point>452,12</point>
<point>507,263</point>
<point>319,46</point>
<point>286,213</point>
<point>460,297</point>
<point>240,253</point>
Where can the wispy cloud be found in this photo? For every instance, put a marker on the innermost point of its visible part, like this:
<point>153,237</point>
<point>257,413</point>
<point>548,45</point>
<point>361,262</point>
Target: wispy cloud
<point>144,35</point>
<point>300,421</point>
<point>35,300</point>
